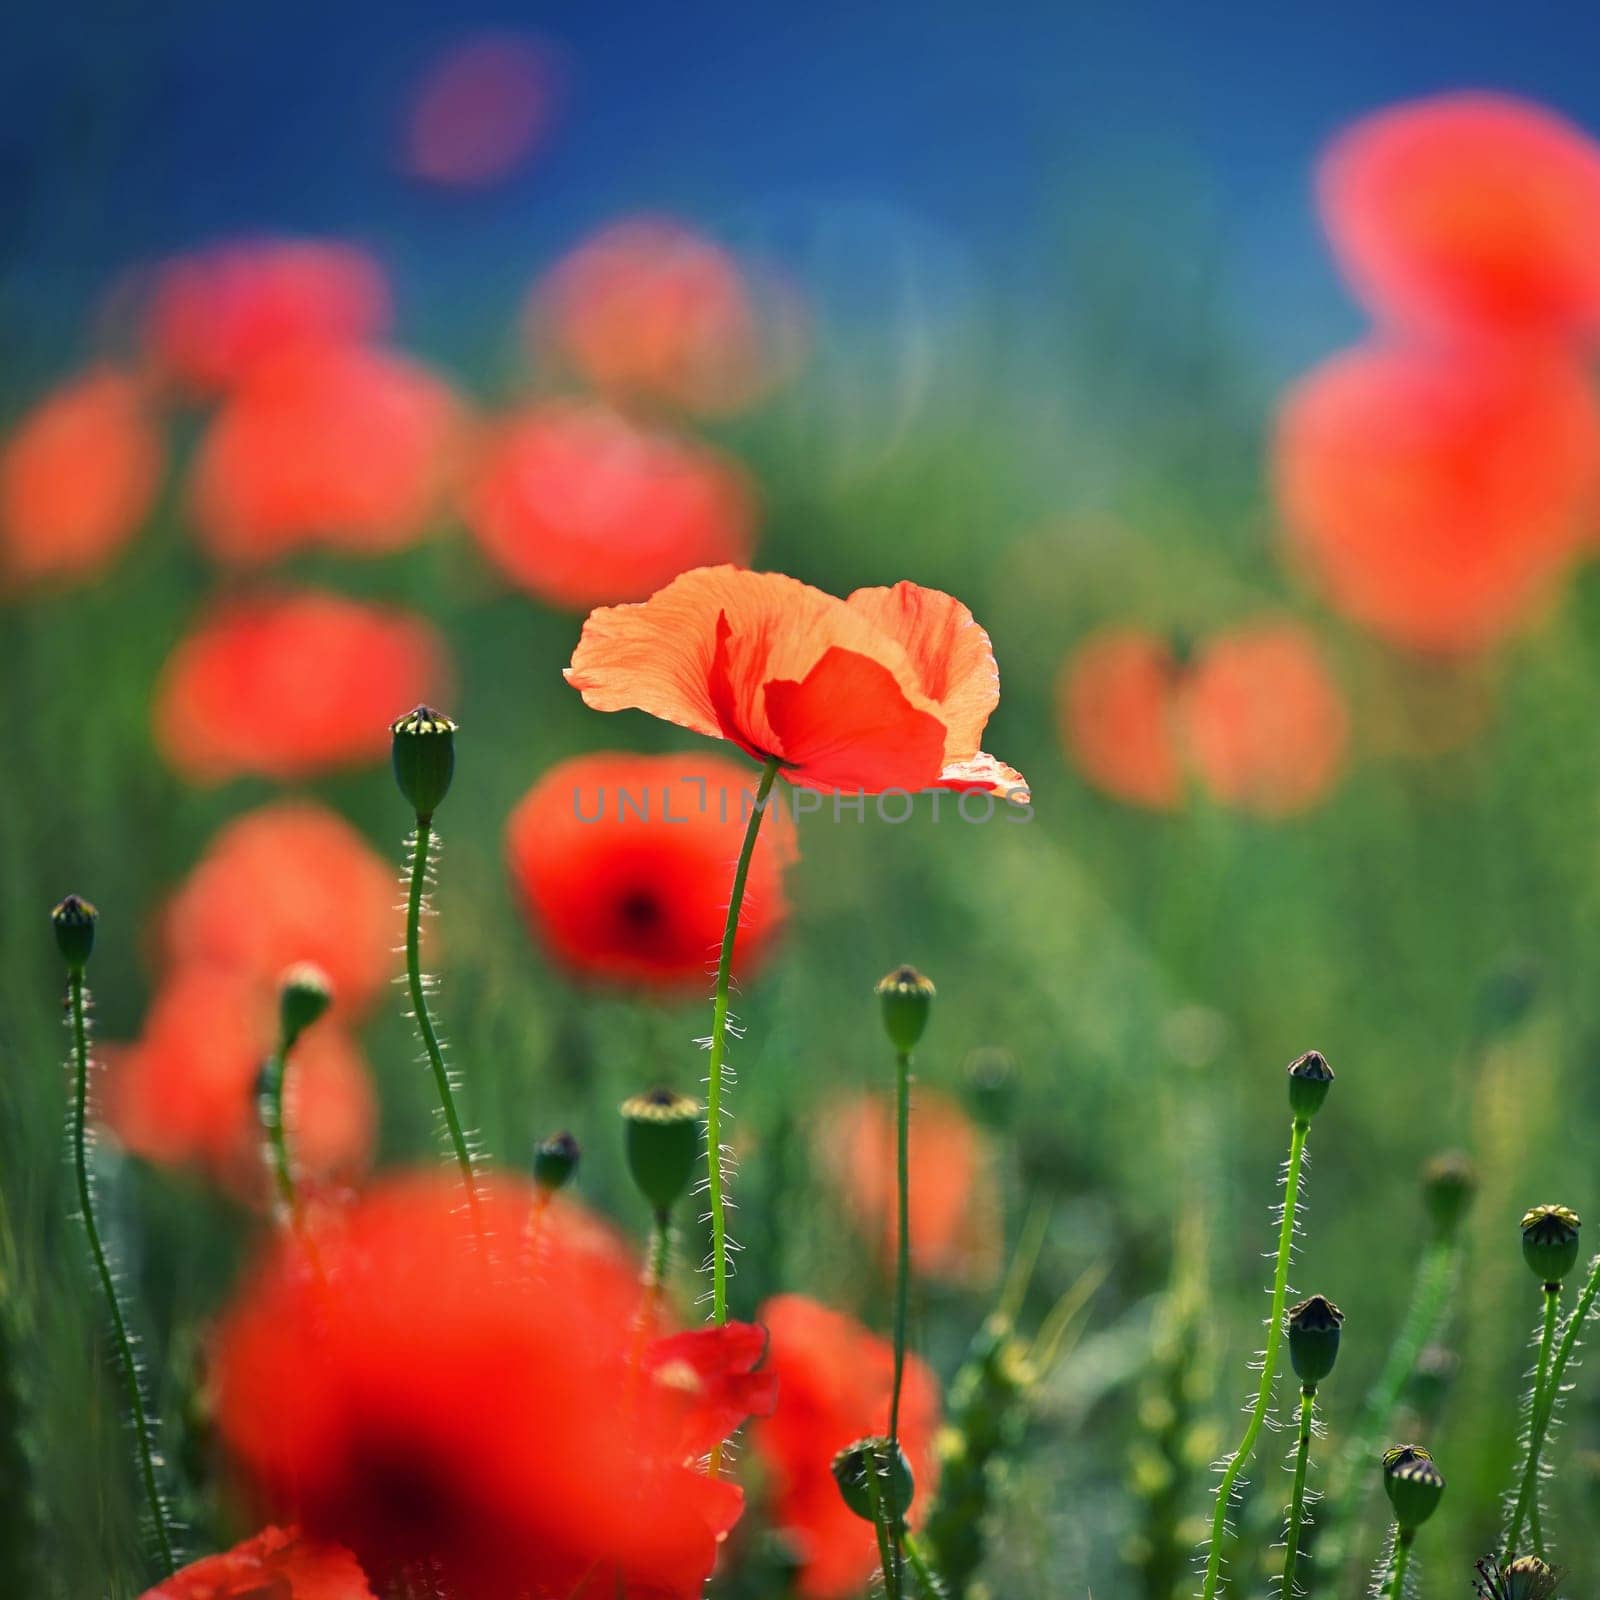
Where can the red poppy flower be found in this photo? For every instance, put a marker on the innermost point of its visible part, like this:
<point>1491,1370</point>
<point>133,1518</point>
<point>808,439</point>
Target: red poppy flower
<point>954,1202</point>
<point>888,689</point>
<point>183,1094</point>
<point>833,1388</point>
<point>483,106</point>
<point>290,685</point>
<point>1469,213</point>
<point>275,1565</point>
<point>621,865</point>
<point>650,310</point>
<point>708,1376</point>
<point>215,314</point>
<point>77,477</point>
<point>1435,497</point>
<point>286,883</point>
<point>1116,695</point>
<point>325,444</point>
<point>437,1405</point>
<point>580,507</point>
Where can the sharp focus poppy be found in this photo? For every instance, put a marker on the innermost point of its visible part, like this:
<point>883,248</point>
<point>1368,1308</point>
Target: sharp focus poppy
<point>621,865</point>
<point>184,1093</point>
<point>325,444</point>
<point>954,1201</point>
<point>286,883</point>
<point>216,314</point>
<point>888,689</point>
<point>581,507</point>
<point>438,1405</point>
<point>1469,213</point>
<point>1436,497</point>
<point>833,1388</point>
<point>277,1564</point>
<point>78,476</point>
<point>291,685</point>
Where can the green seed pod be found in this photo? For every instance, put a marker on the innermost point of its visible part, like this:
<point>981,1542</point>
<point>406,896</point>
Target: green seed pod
<point>424,752</point>
<point>1310,1078</point>
<point>73,921</point>
<point>555,1160</point>
<point>1526,1578</point>
<point>1449,1182</point>
<point>1412,1483</point>
<point>304,993</point>
<point>1314,1339</point>
<point>907,1001</point>
<point>663,1145</point>
<point>1550,1242</point>
<point>1429,1385</point>
<point>895,1488</point>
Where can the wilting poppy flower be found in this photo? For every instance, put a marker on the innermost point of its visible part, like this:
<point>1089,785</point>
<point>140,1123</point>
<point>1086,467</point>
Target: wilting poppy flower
<point>888,689</point>
<point>78,477</point>
<point>621,865</point>
<point>286,883</point>
<point>325,444</point>
<point>183,1094</point>
<point>1263,722</point>
<point>954,1202</point>
<point>833,1388</point>
<point>581,507</point>
<point>1469,213</point>
<point>483,106</point>
<point>440,1406</point>
<point>213,316</point>
<point>1435,497</point>
<point>275,1565</point>
<point>650,310</point>
<point>1116,695</point>
<point>290,685</point>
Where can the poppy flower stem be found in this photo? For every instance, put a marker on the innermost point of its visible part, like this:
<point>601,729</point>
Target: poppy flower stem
<point>719,1044</point>
<point>1297,1499</point>
<point>1404,1538</point>
<point>133,1389</point>
<point>888,1543</point>
<point>918,1557</point>
<point>269,1107</point>
<point>1539,1413</point>
<point>902,1265</point>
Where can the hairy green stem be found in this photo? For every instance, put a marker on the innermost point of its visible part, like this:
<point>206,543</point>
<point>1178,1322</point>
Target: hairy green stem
<point>1269,1362</point>
<point>902,1265</point>
<point>719,1045</point>
<point>1404,1538</point>
<point>133,1391</point>
<point>1527,1503</point>
<point>918,1557</point>
<point>888,1543</point>
<point>269,1107</point>
<point>1297,1500</point>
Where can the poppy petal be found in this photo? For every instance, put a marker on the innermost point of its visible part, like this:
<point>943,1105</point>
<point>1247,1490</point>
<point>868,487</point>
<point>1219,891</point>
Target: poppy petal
<point>983,774</point>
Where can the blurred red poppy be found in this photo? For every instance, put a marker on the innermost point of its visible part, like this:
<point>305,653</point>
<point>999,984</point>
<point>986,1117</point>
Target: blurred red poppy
<point>954,1200</point>
<point>833,1388</point>
<point>286,883</point>
<point>290,685</point>
<point>1436,497</point>
<point>436,1405</point>
<point>215,314</point>
<point>888,689</point>
<point>1469,213</point>
<point>483,106</point>
<point>621,866</point>
<point>275,1565</point>
<point>325,444</point>
<point>650,310</point>
<point>1264,724</point>
<point>78,476</point>
<point>183,1094</point>
<point>580,507</point>
<point>1116,694</point>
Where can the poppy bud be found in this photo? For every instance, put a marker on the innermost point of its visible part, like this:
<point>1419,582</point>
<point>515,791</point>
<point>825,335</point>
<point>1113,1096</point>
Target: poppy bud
<point>1412,1483</point>
<point>1431,1378</point>
<point>555,1160</point>
<point>424,751</point>
<point>1310,1078</point>
<point>895,1488</point>
<point>907,1001</point>
<point>663,1145</point>
<point>1449,1182</point>
<point>1314,1339</point>
<point>991,1075</point>
<point>1526,1578</point>
<point>1550,1242</point>
<point>73,921</point>
<point>304,993</point>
